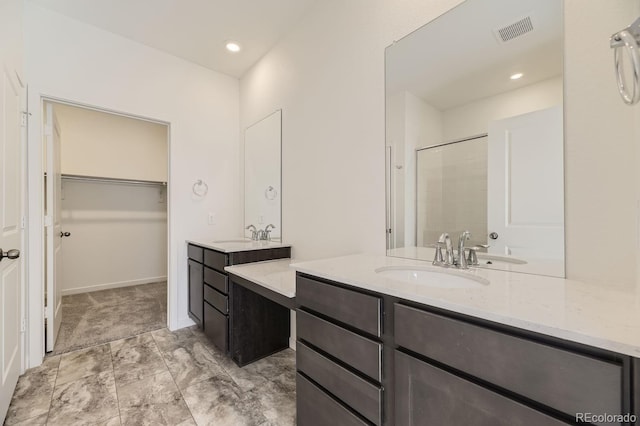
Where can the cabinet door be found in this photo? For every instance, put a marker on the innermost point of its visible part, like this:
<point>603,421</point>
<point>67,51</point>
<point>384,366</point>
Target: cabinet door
<point>216,327</point>
<point>196,283</point>
<point>427,395</point>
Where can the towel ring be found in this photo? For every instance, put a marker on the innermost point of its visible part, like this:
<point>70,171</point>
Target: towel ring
<point>200,188</point>
<point>628,39</point>
<point>270,193</point>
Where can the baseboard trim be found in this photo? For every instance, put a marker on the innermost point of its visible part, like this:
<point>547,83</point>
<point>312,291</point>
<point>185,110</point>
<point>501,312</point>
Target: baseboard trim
<point>107,286</point>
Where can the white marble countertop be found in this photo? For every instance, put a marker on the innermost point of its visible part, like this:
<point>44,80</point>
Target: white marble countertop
<point>603,317</point>
<point>237,245</point>
<point>276,275</point>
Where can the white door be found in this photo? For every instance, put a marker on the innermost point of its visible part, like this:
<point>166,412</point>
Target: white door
<point>53,226</point>
<point>11,213</point>
<point>525,185</point>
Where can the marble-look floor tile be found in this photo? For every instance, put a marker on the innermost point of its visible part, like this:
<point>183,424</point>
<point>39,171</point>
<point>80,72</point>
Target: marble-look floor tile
<point>154,400</point>
<point>246,378</point>
<point>138,340</point>
<point>166,339</point>
<point>191,362</point>
<point>90,400</point>
<point>218,401</point>
<point>104,316</point>
<point>114,421</point>
<point>40,420</point>
<point>276,364</point>
<point>32,396</point>
<point>84,363</point>
<point>278,399</point>
<point>132,363</point>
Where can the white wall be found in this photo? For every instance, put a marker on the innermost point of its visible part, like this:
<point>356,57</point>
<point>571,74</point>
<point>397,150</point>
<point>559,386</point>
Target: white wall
<point>11,31</point>
<point>330,84</point>
<point>473,118</point>
<point>95,143</point>
<point>327,75</point>
<point>118,235</point>
<point>601,211</point>
<point>73,61</point>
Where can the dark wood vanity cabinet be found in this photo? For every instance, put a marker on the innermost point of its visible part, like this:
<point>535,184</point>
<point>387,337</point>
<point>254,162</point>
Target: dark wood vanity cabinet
<point>339,354</point>
<point>209,290</point>
<point>377,359</point>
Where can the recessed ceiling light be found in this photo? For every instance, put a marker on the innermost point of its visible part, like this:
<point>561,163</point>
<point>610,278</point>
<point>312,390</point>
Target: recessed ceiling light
<point>232,46</point>
<point>516,76</point>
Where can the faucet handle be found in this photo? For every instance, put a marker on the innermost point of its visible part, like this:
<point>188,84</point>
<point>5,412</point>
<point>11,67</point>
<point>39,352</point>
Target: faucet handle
<point>437,258</point>
<point>472,258</point>
<point>254,232</point>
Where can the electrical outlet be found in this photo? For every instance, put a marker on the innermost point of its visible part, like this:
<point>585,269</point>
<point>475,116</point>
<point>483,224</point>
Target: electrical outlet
<point>211,218</point>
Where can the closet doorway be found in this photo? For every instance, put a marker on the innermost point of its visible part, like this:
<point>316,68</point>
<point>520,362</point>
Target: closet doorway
<point>105,226</point>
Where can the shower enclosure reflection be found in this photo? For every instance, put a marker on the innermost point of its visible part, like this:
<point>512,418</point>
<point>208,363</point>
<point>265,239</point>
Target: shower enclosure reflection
<point>475,139</point>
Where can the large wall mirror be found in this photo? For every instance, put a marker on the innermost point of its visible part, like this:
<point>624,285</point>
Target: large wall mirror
<point>474,135</point>
<point>262,175</point>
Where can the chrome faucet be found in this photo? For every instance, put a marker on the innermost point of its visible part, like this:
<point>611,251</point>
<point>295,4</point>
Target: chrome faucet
<point>254,232</point>
<point>267,231</point>
<point>448,260</point>
<point>462,260</point>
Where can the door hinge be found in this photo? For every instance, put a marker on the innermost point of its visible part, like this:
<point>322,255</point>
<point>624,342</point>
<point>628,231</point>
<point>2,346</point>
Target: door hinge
<point>45,313</point>
<point>48,130</point>
<point>23,325</point>
<point>48,221</point>
<point>24,119</point>
<point>24,222</point>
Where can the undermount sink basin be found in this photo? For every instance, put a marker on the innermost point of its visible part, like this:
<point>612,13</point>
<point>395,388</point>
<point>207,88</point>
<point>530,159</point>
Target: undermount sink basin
<point>432,277</point>
<point>233,241</point>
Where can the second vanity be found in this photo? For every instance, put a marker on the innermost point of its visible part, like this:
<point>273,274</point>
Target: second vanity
<point>511,349</point>
<point>219,306</point>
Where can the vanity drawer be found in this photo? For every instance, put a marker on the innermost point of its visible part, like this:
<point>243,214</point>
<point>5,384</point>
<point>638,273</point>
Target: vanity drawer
<point>216,327</point>
<point>350,307</point>
<point>359,394</point>
<point>216,299</point>
<point>215,259</point>
<point>361,353</point>
<point>567,381</point>
<point>427,395</point>
<point>216,280</point>
<point>196,253</point>
<point>316,408</point>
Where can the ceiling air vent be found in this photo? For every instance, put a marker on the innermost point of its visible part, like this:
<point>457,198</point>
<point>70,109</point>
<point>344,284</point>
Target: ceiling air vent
<point>515,29</point>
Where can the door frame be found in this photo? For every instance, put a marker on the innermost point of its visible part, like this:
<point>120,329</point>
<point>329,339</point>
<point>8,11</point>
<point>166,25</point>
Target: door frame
<point>36,269</point>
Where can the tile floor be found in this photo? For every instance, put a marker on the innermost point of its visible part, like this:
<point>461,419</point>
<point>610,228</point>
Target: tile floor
<point>90,319</point>
<point>160,377</point>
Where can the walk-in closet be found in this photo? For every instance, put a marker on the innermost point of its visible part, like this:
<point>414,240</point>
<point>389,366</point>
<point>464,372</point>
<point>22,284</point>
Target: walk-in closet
<point>105,226</point>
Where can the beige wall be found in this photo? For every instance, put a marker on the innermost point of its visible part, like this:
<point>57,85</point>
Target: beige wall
<point>118,235</point>
<point>126,224</point>
<point>107,145</point>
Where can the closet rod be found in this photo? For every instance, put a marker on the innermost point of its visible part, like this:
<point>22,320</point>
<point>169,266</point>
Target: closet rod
<point>113,180</point>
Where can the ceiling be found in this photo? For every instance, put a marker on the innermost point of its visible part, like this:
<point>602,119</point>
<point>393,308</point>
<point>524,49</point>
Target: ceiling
<point>195,30</point>
<point>458,58</point>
